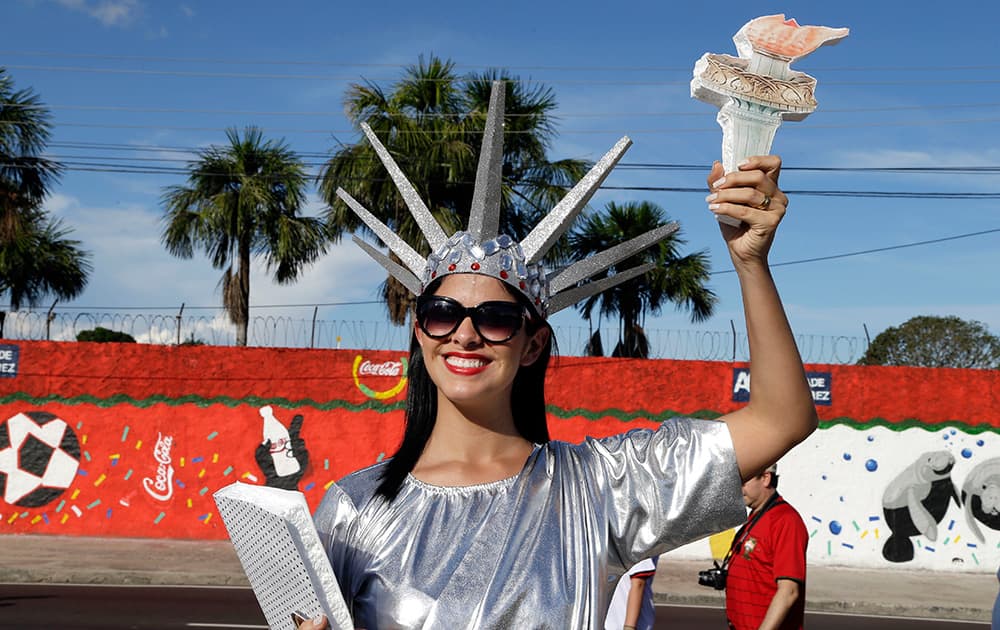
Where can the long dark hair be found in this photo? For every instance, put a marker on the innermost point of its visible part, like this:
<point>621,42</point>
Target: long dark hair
<point>527,402</point>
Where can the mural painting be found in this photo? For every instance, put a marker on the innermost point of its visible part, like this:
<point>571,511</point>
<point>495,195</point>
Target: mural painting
<point>39,457</point>
<point>916,501</point>
<point>132,476</point>
<point>981,497</point>
<point>282,455</point>
<point>94,443</point>
<point>888,495</point>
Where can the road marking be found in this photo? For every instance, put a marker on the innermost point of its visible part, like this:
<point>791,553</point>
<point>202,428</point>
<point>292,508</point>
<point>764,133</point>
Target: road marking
<point>195,624</point>
<point>843,614</point>
<point>894,617</point>
<point>164,586</point>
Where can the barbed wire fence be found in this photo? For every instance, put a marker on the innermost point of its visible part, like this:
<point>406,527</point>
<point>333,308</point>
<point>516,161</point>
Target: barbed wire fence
<point>274,331</point>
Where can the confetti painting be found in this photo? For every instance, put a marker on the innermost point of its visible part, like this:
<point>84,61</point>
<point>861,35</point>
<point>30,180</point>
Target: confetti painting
<point>132,440</point>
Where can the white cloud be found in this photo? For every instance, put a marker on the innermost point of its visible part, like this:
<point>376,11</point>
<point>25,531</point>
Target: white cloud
<point>187,11</point>
<point>108,12</point>
<point>832,319</point>
<point>132,268</point>
<point>58,204</point>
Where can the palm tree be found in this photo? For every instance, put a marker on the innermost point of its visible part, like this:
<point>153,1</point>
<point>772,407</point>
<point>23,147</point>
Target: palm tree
<point>243,200</point>
<point>37,258</point>
<point>432,122</point>
<point>676,279</point>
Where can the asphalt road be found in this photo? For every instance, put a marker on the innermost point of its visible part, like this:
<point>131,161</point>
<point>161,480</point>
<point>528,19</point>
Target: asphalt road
<point>79,607</point>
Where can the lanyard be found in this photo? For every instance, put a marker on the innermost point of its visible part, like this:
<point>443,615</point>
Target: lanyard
<point>744,531</point>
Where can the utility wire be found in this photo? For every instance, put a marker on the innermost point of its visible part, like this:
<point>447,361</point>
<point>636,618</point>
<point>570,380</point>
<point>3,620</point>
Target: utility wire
<point>622,166</point>
<point>871,251</point>
<point>559,115</point>
<point>175,307</point>
<point>333,64</point>
<point>355,79</point>
<point>871,194</point>
<point>714,273</point>
<point>972,169</point>
<point>564,132</point>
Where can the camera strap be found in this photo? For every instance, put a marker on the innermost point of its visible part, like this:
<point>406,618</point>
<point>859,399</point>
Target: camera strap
<point>744,531</point>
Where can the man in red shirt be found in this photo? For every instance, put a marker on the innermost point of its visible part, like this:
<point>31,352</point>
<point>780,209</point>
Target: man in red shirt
<point>766,585</point>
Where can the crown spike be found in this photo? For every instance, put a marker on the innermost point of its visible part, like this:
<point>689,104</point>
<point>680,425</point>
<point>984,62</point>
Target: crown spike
<point>482,250</point>
<point>570,297</point>
<point>484,214</point>
<point>397,245</point>
<point>398,272</point>
<point>428,224</point>
<point>552,226</point>
<point>583,269</point>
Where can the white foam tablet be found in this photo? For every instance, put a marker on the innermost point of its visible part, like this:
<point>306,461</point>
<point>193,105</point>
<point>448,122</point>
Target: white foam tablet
<point>284,560</point>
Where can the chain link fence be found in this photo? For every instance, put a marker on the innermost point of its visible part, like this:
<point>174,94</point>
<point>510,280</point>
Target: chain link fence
<point>291,332</point>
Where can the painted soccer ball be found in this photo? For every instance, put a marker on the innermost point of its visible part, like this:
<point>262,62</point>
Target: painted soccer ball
<point>39,457</point>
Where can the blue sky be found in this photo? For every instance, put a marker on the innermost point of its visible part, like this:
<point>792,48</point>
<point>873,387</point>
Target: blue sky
<point>910,87</point>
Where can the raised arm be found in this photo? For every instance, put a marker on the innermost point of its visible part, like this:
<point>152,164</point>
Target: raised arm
<point>780,413</point>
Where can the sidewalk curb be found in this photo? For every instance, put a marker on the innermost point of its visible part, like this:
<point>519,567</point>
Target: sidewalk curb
<point>845,608</point>
<point>94,577</point>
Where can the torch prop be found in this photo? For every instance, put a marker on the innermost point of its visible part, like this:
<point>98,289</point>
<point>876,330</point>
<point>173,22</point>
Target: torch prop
<point>756,91</point>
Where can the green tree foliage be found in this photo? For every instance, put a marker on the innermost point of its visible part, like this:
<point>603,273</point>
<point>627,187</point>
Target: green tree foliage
<point>191,340</point>
<point>678,280</point>
<point>37,257</point>
<point>930,341</point>
<point>431,121</point>
<point>104,335</point>
<point>244,200</point>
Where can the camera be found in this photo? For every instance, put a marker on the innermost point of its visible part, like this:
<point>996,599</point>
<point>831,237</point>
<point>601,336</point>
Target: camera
<point>714,577</point>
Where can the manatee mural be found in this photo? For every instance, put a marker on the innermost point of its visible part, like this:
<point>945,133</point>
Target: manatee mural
<point>981,497</point>
<point>916,501</point>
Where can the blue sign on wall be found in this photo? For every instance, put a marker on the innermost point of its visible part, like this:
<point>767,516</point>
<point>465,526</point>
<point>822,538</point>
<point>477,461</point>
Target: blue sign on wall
<point>8,360</point>
<point>820,383</point>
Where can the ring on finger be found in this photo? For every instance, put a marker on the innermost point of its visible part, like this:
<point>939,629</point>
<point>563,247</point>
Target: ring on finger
<point>764,204</point>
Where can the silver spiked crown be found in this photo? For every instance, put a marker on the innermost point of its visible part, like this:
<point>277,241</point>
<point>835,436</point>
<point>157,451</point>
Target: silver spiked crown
<point>482,250</point>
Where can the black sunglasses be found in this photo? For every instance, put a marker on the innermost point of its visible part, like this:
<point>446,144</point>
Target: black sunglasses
<point>496,322</point>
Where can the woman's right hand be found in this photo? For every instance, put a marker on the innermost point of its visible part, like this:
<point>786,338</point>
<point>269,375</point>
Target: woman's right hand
<point>316,623</point>
<point>751,195</point>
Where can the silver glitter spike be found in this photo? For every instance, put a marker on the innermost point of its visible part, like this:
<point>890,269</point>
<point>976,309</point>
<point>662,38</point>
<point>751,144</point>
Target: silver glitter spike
<point>484,214</point>
<point>570,297</point>
<point>586,268</point>
<point>398,246</point>
<point>398,272</point>
<point>481,250</point>
<point>428,224</point>
<point>550,228</point>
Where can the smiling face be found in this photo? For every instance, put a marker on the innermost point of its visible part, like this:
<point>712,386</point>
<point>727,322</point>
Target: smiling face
<point>469,371</point>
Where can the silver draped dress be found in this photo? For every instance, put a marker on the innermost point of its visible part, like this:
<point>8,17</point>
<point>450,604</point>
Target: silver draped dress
<point>543,549</point>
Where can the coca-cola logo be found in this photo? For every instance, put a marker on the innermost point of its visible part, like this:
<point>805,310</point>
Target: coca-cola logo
<point>366,368</point>
<point>388,368</point>
<point>161,487</point>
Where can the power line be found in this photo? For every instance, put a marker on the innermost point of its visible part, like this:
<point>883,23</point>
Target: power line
<point>175,307</point>
<point>564,132</point>
<point>623,166</point>
<point>714,273</point>
<point>97,167</point>
<point>567,68</point>
<point>871,251</point>
<point>970,169</point>
<point>320,77</point>
<point>559,115</point>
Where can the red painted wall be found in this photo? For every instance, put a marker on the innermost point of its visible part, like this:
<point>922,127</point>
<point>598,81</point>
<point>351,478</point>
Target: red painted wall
<point>188,418</point>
